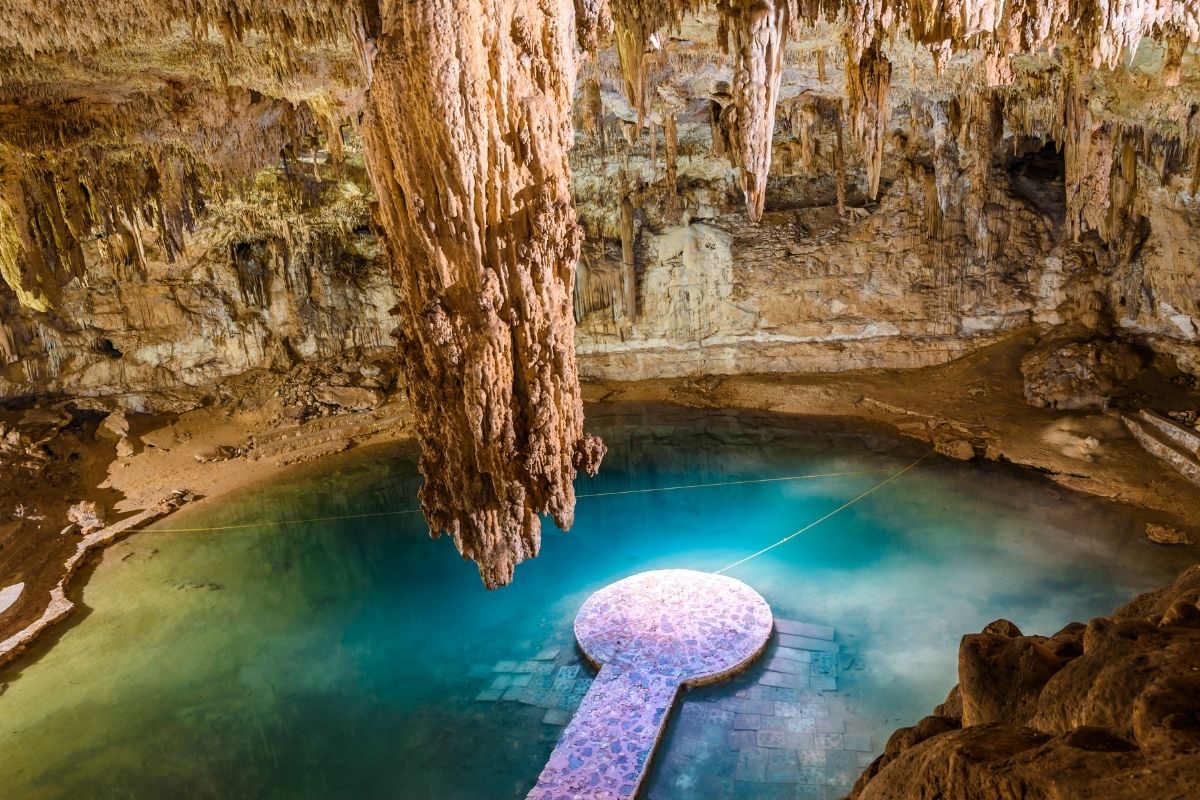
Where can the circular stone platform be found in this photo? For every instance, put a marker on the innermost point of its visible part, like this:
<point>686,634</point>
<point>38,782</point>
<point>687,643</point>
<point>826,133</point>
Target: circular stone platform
<point>693,627</point>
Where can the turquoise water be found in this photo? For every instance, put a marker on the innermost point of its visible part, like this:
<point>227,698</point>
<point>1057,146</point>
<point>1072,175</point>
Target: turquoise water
<point>342,659</point>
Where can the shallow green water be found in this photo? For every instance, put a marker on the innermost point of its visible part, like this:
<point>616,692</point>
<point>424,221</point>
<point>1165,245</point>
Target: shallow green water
<point>342,659</point>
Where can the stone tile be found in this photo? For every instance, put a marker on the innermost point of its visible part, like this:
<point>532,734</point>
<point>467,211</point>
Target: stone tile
<point>811,757</point>
<point>742,739</point>
<point>792,654</point>
<point>780,664</point>
<point>747,722</point>
<point>563,685</point>
<point>857,741</point>
<point>773,724</point>
<point>781,679</point>
<point>842,760</point>
<point>804,629</point>
<point>829,741</point>
<point>812,775</point>
<point>505,666</point>
<point>501,682</point>
<point>761,791</point>
<point>823,684</point>
<point>515,694</point>
<point>582,685</point>
<point>816,710</point>
<point>788,709</point>
<point>806,792</point>
<point>542,667</point>
<point>520,680</point>
<point>865,759</point>
<point>525,666</point>
<point>490,695</point>
<point>549,699</point>
<point>800,741</point>
<point>824,664</point>
<point>549,654</point>
<point>532,697</point>
<point>800,725</point>
<point>782,766</point>
<point>772,739</point>
<point>571,671</point>
<point>831,725</point>
<point>807,643</point>
<point>751,765</point>
<point>556,716</point>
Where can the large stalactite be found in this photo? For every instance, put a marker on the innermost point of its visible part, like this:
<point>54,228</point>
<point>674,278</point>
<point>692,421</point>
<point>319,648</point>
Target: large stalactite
<point>467,133</point>
<point>757,31</point>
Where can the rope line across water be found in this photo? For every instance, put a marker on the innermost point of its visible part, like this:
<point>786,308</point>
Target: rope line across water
<point>817,522</point>
<point>274,523</point>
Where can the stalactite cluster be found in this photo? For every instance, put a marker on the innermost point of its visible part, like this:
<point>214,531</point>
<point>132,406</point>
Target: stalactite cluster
<point>466,140</point>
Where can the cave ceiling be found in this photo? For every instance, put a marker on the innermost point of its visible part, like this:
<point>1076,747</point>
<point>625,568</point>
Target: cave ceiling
<point>496,139</point>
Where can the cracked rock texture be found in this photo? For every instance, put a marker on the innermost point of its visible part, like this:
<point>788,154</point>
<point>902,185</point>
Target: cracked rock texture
<point>1108,709</point>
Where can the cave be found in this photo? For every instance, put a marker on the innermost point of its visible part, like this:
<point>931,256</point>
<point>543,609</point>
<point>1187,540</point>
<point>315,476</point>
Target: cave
<point>599,399</point>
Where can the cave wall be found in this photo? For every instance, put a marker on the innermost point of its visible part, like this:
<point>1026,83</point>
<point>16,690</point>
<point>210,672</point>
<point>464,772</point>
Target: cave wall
<point>286,274</point>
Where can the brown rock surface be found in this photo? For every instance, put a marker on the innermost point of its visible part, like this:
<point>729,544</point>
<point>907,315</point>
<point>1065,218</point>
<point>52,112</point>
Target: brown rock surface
<point>1110,709</point>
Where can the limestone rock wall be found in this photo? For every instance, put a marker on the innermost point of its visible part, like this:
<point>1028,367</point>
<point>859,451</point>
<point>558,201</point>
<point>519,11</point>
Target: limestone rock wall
<point>1107,709</point>
<point>288,274</point>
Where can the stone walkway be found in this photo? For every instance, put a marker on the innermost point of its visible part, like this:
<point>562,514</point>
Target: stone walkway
<point>652,635</point>
<point>778,730</point>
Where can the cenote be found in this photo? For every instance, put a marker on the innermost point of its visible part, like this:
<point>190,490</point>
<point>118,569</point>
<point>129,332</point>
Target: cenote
<point>343,658</point>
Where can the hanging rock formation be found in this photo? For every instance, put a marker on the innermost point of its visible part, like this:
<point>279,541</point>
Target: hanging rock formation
<point>466,142</point>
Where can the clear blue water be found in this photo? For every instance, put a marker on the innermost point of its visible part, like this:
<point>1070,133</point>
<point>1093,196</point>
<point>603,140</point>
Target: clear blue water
<point>342,659</point>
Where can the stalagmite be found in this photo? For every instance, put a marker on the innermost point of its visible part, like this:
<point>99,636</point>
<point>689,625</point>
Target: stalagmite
<point>466,140</point>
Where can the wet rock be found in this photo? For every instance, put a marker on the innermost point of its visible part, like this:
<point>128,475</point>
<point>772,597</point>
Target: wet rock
<point>1166,534</point>
<point>960,449</point>
<point>1110,709</point>
<point>124,448</point>
<point>1079,375</point>
<point>87,515</point>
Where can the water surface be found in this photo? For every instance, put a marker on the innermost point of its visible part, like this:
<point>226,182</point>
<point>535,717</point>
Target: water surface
<point>342,659</point>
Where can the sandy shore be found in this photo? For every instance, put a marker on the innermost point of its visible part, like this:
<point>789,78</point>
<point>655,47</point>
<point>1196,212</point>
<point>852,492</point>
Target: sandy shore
<point>971,408</point>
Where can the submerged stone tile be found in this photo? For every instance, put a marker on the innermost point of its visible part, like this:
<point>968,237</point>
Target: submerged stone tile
<point>857,741</point>
<point>548,654</point>
<point>806,629</point>
<point>489,695</point>
<point>792,654</point>
<point>807,643</point>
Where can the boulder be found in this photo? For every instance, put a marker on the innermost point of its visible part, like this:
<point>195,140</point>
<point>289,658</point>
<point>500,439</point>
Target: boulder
<point>350,398</point>
<point>1109,709</point>
<point>1080,375</point>
<point>87,515</point>
<point>113,428</point>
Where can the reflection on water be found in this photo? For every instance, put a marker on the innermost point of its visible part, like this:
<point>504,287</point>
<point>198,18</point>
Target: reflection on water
<point>342,659</point>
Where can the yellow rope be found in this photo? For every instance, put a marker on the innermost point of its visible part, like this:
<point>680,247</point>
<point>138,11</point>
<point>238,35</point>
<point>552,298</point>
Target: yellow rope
<point>731,483</point>
<point>817,522</point>
<point>245,525</point>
